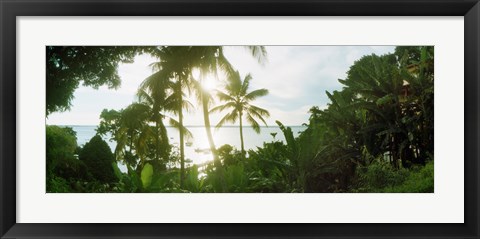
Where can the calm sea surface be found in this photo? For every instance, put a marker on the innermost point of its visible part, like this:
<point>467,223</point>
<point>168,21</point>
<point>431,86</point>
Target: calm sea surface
<point>197,148</point>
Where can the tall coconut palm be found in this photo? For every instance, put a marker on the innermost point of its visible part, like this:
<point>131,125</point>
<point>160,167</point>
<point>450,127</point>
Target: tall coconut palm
<point>237,99</point>
<point>211,59</point>
<point>180,61</point>
<point>133,133</point>
<point>153,92</point>
<point>158,113</point>
<point>174,65</point>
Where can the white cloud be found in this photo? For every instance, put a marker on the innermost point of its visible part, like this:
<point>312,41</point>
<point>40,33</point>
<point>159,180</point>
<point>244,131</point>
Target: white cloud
<point>292,117</point>
<point>296,77</point>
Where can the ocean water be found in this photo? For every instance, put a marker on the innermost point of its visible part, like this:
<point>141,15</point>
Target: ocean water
<point>197,149</point>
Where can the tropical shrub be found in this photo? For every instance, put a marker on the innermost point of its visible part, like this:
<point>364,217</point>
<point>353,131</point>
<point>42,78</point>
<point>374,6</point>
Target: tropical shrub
<point>61,143</point>
<point>270,168</point>
<point>57,185</point>
<point>379,175</point>
<point>382,177</point>
<point>63,167</point>
<point>193,183</point>
<point>98,158</point>
<point>72,169</point>
<point>419,180</point>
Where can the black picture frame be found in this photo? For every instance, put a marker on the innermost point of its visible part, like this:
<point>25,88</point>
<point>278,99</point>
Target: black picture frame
<point>10,9</point>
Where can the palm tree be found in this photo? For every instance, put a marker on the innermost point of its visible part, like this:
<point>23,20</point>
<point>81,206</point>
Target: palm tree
<point>237,99</point>
<point>179,103</point>
<point>210,59</point>
<point>173,66</point>
<point>158,109</point>
<point>133,133</point>
<point>179,61</point>
<point>153,92</point>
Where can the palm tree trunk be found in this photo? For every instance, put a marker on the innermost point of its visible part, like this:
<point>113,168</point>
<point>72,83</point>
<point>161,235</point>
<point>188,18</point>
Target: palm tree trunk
<point>131,144</point>
<point>182,145</point>
<point>157,138</point>
<point>241,136</point>
<point>164,144</point>
<point>216,160</point>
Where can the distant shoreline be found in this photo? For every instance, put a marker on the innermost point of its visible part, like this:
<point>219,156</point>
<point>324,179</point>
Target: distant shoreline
<point>196,126</point>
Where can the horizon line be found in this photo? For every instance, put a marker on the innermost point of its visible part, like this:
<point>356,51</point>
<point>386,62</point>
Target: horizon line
<point>196,126</point>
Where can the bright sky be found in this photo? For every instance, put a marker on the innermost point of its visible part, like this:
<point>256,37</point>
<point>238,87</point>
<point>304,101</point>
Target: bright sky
<point>296,77</point>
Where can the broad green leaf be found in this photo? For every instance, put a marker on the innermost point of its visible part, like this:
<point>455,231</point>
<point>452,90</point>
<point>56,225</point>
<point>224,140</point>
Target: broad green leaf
<point>146,175</point>
<point>135,178</point>
<point>385,100</point>
<point>116,170</point>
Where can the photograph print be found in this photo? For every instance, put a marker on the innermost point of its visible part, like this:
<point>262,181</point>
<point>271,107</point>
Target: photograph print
<point>239,119</point>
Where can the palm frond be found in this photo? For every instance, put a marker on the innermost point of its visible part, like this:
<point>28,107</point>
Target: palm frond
<point>258,110</point>
<point>188,106</point>
<point>157,80</point>
<point>258,52</point>
<point>143,96</point>
<point>221,108</point>
<point>156,66</point>
<point>258,114</point>
<point>255,94</point>
<point>253,123</point>
<point>223,63</point>
<point>245,84</point>
<point>234,83</point>
<point>187,133</point>
<point>224,97</point>
<point>230,117</point>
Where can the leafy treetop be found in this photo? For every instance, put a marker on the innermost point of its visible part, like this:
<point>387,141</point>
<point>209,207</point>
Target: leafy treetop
<point>68,66</point>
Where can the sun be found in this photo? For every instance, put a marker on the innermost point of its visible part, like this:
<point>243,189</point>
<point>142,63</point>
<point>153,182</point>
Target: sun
<point>209,83</point>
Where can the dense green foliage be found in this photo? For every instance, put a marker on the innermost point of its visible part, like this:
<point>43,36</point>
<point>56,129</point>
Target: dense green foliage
<point>383,115</point>
<point>74,169</point>
<point>70,66</point>
<point>61,145</point>
<point>62,166</point>
<point>375,135</point>
<point>98,158</point>
<point>381,177</point>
